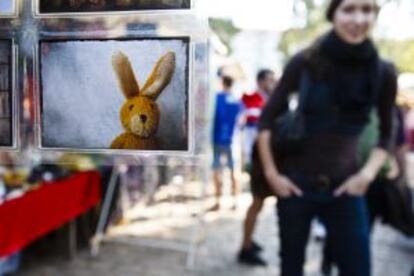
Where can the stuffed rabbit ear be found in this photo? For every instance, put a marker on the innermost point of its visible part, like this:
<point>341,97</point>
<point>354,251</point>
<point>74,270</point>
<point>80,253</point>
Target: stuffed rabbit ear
<point>160,76</point>
<point>125,74</point>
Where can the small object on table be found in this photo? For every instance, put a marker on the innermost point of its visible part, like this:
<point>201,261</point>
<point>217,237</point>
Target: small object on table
<point>3,191</point>
<point>9,264</point>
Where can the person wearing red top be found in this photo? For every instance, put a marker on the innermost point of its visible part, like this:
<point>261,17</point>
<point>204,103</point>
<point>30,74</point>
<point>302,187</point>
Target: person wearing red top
<point>253,105</point>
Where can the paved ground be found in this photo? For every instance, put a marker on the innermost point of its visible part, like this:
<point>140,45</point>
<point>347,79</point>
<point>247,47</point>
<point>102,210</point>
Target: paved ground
<point>393,255</point>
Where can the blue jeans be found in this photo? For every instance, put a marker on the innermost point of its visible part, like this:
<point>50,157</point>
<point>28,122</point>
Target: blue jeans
<point>220,151</point>
<point>347,224</point>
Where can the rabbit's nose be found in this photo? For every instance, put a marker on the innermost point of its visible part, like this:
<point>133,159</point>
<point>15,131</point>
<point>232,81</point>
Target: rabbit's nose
<point>143,118</point>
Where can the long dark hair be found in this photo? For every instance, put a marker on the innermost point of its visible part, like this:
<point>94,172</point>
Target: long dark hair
<point>317,64</point>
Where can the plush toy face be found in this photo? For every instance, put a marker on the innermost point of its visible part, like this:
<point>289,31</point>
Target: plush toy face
<point>140,116</point>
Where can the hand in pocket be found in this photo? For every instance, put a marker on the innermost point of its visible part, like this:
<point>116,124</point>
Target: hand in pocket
<point>356,185</point>
<point>282,186</point>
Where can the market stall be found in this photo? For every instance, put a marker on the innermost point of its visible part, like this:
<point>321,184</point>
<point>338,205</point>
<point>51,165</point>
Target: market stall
<point>152,66</point>
<point>46,208</point>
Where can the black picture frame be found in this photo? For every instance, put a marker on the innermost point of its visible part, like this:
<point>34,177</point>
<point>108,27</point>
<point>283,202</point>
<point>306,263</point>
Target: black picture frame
<point>7,119</point>
<point>105,6</point>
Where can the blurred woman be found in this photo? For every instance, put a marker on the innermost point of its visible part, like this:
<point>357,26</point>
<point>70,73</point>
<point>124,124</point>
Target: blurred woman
<point>346,79</point>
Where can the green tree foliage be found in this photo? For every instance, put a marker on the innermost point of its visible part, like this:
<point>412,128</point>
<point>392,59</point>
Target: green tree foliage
<point>224,29</point>
<point>313,25</point>
<point>400,52</point>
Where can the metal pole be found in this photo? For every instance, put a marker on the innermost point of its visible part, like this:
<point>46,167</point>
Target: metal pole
<point>103,217</point>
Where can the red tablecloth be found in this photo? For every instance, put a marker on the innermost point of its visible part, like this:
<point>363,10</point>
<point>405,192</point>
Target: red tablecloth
<point>40,211</point>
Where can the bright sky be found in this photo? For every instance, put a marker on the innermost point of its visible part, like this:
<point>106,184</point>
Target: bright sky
<point>248,14</point>
<point>396,20</point>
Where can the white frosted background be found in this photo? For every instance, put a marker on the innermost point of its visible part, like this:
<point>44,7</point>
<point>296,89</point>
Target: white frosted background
<point>6,6</point>
<point>81,98</point>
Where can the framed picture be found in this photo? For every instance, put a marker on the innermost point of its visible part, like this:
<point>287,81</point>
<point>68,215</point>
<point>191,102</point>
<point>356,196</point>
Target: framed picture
<point>125,94</point>
<point>91,6</point>
<point>7,8</point>
<point>6,93</point>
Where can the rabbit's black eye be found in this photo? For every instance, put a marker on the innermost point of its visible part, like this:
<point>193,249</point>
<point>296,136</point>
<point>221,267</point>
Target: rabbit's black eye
<point>131,107</point>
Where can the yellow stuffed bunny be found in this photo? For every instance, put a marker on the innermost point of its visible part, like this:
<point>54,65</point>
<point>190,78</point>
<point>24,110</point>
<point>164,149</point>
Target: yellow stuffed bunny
<point>140,114</point>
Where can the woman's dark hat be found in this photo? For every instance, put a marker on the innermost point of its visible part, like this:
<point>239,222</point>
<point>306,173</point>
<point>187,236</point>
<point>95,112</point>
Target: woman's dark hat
<point>333,6</point>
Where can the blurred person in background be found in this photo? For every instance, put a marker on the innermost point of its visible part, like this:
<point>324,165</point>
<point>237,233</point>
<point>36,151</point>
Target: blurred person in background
<point>410,128</point>
<point>345,79</point>
<point>253,104</point>
<point>226,116</point>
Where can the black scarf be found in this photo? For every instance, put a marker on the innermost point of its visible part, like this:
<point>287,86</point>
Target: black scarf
<point>348,67</point>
